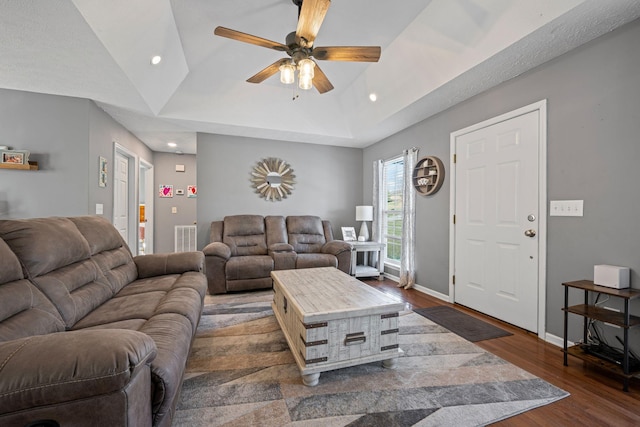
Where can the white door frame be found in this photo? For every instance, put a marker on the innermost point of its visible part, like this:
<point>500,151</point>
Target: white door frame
<point>541,107</point>
<point>149,198</point>
<point>132,210</point>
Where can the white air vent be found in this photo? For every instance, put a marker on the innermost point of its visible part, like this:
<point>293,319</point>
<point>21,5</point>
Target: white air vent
<point>185,238</point>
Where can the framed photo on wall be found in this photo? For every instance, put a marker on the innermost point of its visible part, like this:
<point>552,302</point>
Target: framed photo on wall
<point>102,171</point>
<point>349,234</point>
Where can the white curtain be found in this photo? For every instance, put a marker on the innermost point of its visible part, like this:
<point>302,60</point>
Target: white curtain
<point>407,258</point>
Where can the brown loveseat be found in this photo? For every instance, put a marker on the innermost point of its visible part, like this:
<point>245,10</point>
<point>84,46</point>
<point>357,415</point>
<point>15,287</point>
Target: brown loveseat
<point>90,335</point>
<point>244,249</point>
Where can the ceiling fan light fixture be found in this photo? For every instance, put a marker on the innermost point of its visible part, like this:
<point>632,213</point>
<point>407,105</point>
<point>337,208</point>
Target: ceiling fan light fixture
<point>305,73</point>
<point>287,73</point>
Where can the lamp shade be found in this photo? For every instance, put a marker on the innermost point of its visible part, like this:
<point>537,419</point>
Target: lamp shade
<point>364,213</point>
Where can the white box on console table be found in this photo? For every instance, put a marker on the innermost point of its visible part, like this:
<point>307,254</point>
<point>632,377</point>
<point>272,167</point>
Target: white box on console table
<point>611,276</point>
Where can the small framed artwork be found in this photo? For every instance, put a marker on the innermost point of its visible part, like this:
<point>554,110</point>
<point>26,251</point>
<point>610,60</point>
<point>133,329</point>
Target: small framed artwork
<point>166,191</point>
<point>14,157</point>
<point>102,171</point>
<point>192,191</point>
<point>349,234</point>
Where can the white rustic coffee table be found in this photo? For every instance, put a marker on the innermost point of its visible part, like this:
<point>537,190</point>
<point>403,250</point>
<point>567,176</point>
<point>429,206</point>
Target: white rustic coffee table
<point>332,320</point>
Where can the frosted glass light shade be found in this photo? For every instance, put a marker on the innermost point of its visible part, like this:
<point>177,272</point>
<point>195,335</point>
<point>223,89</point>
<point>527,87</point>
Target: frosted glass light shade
<point>364,213</point>
<point>287,73</point>
<point>305,74</point>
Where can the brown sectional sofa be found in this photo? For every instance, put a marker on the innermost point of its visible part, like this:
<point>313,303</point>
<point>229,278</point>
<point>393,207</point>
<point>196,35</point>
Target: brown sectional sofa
<point>89,334</point>
<point>244,249</point>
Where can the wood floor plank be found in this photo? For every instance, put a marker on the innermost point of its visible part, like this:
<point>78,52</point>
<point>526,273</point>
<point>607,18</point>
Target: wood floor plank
<point>596,397</point>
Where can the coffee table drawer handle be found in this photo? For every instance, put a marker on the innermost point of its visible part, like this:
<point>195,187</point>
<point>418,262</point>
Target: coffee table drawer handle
<point>355,338</point>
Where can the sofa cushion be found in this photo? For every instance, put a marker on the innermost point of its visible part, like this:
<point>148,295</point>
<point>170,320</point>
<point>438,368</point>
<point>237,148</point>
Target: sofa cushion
<point>24,310</point>
<point>248,267</point>
<point>305,233</point>
<point>316,260</point>
<point>108,250</point>
<point>44,244</point>
<point>57,260</point>
<point>245,235</point>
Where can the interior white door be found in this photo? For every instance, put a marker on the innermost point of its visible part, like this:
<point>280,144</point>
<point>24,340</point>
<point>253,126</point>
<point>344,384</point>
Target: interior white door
<point>496,219</point>
<point>121,195</point>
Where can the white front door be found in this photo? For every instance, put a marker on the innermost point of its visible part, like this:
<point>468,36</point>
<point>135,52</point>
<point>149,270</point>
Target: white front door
<point>497,218</point>
<point>121,195</point>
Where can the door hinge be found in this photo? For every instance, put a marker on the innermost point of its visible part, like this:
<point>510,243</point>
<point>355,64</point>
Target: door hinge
<point>455,158</point>
<point>453,279</point>
<point>454,219</point>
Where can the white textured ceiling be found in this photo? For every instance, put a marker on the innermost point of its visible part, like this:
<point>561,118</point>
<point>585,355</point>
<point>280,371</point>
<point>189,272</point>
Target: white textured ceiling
<point>435,53</point>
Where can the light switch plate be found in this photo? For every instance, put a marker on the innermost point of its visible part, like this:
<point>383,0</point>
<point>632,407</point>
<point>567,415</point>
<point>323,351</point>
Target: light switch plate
<point>99,208</point>
<point>566,208</point>
<point>174,209</point>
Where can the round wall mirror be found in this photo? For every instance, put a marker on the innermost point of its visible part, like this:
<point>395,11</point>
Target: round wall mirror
<point>273,179</point>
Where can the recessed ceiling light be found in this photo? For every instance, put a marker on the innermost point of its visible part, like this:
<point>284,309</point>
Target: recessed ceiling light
<point>156,60</point>
<point>373,97</point>
<point>172,144</point>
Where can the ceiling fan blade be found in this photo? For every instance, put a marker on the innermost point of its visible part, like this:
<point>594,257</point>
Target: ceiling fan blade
<point>248,38</point>
<point>268,72</point>
<point>312,14</point>
<point>347,53</point>
<point>320,81</point>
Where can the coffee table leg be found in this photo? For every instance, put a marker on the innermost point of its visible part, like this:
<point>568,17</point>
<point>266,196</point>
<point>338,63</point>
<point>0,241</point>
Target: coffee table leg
<point>311,379</point>
<point>390,363</point>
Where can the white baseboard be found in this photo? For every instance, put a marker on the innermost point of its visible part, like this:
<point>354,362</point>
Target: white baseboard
<point>432,293</point>
<point>556,340</point>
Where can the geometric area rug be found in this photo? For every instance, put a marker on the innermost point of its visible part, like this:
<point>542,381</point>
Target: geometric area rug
<point>241,373</point>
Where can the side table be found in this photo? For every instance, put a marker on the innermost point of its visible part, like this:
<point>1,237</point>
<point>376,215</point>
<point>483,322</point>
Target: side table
<point>373,259</point>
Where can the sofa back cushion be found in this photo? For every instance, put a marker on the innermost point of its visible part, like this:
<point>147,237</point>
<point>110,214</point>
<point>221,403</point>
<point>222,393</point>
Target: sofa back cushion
<point>56,258</point>
<point>306,233</point>
<point>245,235</point>
<point>24,311</point>
<point>108,249</point>
<point>276,230</point>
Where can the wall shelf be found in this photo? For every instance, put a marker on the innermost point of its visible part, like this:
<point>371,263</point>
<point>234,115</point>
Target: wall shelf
<point>428,175</point>
<point>32,166</point>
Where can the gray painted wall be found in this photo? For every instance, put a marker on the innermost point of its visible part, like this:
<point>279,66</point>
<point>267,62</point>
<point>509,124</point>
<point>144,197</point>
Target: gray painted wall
<point>165,174</point>
<point>66,136</point>
<point>56,131</point>
<point>328,180</point>
<point>103,132</point>
<point>593,98</point>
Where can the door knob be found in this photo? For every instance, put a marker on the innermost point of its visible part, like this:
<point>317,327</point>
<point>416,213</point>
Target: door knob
<point>530,233</point>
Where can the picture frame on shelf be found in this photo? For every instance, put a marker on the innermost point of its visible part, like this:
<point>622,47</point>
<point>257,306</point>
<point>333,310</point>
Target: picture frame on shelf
<point>14,157</point>
<point>349,234</point>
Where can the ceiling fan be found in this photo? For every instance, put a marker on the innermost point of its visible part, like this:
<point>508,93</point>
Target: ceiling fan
<point>299,47</point>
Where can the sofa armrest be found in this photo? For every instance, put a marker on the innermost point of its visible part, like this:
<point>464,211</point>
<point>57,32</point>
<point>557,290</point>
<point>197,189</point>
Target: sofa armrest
<point>336,247</point>
<point>342,251</point>
<point>45,370</point>
<point>170,263</point>
<point>280,247</point>
<point>284,257</point>
<point>218,249</point>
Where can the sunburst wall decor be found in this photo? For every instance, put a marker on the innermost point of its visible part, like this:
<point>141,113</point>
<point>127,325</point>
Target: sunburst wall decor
<point>273,179</point>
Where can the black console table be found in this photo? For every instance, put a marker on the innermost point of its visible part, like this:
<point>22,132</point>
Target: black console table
<point>590,311</point>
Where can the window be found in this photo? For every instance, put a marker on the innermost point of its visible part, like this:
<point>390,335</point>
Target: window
<point>392,209</point>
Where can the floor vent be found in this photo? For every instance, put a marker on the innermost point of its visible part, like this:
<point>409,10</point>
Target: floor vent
<point>185,238</point>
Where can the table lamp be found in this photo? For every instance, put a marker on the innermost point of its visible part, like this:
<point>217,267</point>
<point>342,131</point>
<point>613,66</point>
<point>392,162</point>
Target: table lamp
<point>364,214</point>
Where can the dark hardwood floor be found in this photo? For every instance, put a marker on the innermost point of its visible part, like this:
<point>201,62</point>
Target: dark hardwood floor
<point>596,397</point>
